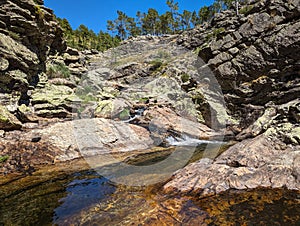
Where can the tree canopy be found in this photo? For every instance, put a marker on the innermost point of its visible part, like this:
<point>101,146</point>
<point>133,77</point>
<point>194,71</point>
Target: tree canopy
<point>151,22</point>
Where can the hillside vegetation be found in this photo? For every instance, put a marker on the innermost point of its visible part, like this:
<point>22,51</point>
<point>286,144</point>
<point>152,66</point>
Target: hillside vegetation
<point>145,23</point>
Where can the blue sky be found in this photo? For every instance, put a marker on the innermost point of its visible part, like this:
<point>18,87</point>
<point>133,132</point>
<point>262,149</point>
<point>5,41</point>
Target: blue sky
<point>95,13</point>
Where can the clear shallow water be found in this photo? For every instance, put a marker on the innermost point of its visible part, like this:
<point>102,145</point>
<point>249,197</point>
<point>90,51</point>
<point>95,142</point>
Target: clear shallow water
<point>85,198</point>
<point>53,201</point>
<point>80,194</point>
<point>65,196</point>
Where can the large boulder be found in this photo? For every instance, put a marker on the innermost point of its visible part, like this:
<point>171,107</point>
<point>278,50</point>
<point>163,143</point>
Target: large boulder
<point>164,122</point>
<point>252,163</point>
<point>90,137</point>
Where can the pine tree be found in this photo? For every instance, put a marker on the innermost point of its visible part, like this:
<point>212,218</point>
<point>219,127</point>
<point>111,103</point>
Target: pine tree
<point>150,22</point>
<point>186,17</point>
<point>194,19</point>
<point>144,23</point>
<point>174,13</point>
<point>132,28</point>
<point>121,23</point>
<point>204,14</point>
<point>111,26</point>
<point>165,21</point>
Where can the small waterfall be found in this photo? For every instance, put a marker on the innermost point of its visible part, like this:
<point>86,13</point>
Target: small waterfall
<point>189,141</point>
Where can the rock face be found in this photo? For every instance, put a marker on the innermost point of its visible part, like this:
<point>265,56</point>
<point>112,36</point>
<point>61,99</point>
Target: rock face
<point>29,33</point>
<point>36,67</point>
<point>254,56</point>
<point>161,91</point>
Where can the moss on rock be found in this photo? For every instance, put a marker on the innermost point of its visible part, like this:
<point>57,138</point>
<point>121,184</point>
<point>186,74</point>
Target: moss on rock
<point>7,120</point>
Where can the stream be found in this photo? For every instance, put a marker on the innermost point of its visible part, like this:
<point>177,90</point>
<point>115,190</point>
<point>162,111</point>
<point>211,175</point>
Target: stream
<point>73,194</point>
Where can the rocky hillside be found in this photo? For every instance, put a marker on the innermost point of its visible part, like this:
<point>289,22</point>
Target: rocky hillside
<point>236,78</point>
<point>255,58</point>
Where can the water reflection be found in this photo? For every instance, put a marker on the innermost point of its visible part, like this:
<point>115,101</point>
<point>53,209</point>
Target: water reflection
<point>81,194</point>
<point>51,200</point>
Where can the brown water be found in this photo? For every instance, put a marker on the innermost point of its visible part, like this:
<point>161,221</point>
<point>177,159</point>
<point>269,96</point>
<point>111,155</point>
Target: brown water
<point>73,194</point>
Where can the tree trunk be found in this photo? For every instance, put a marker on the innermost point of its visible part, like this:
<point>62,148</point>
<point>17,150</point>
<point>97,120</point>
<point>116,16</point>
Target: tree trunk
<point>237,7</point>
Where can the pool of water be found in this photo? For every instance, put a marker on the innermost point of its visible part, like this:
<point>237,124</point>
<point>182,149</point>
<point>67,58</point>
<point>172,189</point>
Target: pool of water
<point>74,194</point>
<point>54,200</point>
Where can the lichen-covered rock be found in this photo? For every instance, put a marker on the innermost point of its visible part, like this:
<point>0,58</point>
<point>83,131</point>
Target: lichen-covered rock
<point>112,109</point>
<point>288,132</point>
<point>26,114</point>
<point>4,64</point>
<point>28,35</point>
<point>7,120</point>
<point>53,101</point>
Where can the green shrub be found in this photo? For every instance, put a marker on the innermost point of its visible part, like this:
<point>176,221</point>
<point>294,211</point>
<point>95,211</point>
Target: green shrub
<point>185,77</point>
<point>58,71</point>
<point>197,50</point>
<point>14,35</point>
<point>156,64</point>
<point>4,158</point>
<point>86,94</point>
<point>88,98</point>
<point>125,114</point>
<point>163,54</point>
<point>143,99</point>
<point>218,31</point>
<point>215,34</point>
<point>39,12</point>
<point>246,9</point>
